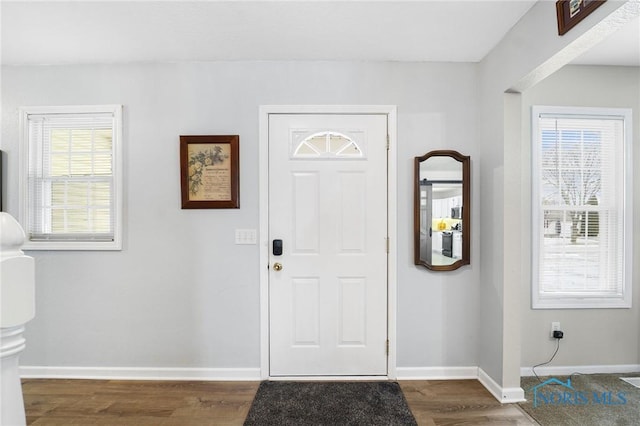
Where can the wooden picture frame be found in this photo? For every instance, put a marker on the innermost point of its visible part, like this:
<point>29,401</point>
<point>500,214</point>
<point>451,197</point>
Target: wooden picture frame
<point>209,171</point>
<point>571,12</point>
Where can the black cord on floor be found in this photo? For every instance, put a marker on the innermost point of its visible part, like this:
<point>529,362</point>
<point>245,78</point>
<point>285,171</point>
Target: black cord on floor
<point>545,363</point>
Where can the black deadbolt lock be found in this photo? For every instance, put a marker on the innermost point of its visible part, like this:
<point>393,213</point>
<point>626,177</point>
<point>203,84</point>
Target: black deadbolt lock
<point>277,247</point>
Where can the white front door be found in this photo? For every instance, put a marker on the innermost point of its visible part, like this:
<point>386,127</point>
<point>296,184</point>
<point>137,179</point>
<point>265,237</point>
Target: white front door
<point>328,206</point>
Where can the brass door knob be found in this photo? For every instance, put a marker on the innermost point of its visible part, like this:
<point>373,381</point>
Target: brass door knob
<point>277,266</point>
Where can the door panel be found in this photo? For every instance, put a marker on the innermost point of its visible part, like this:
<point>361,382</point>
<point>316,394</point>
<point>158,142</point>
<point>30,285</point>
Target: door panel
<point>306,219</point>
<point>328,203</point>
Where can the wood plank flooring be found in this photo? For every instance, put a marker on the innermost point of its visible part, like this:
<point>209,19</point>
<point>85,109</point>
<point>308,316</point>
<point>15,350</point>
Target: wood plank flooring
<point>187,403</point>
<point>459,402</point>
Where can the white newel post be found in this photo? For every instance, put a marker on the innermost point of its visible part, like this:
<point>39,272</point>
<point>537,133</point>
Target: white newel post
<point>17,307</point>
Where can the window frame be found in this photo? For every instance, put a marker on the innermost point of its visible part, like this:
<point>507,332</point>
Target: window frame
<point>540,300</point>
<point>327,153</point>
<point>117,167</point>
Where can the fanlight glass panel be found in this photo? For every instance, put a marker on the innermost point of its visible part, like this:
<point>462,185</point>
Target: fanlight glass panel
<point>328,144</point>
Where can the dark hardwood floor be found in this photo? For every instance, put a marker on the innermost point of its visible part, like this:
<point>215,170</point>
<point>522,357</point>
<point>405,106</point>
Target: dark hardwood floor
<point>186,403</point>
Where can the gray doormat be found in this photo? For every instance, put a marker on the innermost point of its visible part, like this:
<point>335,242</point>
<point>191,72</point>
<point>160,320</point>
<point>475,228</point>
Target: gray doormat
<point>329,403</point>
<point>582,400</point>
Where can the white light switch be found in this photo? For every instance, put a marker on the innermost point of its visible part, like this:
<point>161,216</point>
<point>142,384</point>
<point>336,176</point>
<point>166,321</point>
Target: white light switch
<point>246,236</point>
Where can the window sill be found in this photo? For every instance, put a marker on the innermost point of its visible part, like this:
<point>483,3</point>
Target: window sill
<point>72,246</point>
<point>582,303</point>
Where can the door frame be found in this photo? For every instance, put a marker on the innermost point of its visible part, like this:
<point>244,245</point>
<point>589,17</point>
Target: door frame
<point>263,159</point>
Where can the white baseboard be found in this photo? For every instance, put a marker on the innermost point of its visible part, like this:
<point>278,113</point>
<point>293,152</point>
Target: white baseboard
<point>566,370</point>
<point>436,373</point>
<point>504,395</point>
<point>141,373</point>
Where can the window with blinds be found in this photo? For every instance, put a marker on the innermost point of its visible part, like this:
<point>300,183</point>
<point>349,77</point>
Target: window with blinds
<point>71,177</point>
<point>581,200</point>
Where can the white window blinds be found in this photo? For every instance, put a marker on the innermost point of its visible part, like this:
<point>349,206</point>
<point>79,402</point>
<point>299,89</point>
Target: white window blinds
<point>71,183</point>
<point>580,223</point>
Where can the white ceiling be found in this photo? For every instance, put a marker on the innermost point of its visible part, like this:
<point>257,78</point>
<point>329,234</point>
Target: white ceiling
<point>58,32</point>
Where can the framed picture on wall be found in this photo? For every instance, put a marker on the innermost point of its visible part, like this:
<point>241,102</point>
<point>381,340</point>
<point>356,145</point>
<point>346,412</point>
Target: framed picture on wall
<point>571,12</point>
<point>209,172</point>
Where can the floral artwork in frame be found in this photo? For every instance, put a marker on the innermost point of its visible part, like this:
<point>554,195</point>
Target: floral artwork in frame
<point>209,172</point>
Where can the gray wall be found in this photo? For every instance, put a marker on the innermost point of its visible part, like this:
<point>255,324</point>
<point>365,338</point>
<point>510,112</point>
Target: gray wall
<point>529,52</point>
<point>181,293</point>
<point>592,336</point>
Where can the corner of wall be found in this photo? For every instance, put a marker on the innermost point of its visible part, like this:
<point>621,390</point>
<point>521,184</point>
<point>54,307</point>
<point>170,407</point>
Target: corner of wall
<point>505,395</point>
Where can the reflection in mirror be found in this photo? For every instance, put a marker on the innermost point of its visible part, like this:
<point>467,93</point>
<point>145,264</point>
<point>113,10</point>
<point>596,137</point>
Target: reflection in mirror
<point>441,210</point>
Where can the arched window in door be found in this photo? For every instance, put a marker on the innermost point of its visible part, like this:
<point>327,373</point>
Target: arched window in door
<point>328,144</point>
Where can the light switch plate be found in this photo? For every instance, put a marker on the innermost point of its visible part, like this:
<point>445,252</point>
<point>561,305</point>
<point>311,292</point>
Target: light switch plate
<point>246,236</point>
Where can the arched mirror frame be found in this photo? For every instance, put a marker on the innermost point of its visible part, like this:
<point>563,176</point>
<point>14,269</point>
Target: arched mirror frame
<point>466,210</point>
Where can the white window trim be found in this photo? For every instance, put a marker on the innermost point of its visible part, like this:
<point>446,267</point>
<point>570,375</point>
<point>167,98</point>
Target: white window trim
<point>326,153</point>
<point>116,110</point>
<point>539,301</point>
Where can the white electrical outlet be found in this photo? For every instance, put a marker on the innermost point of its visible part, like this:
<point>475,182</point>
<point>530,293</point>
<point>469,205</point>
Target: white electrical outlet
<point>555,326</point>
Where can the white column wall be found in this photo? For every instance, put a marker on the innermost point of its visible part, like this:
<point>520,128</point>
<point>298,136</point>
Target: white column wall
<point>530,52</point>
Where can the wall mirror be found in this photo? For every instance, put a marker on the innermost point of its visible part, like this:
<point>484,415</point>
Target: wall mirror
<point>442,209</point>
